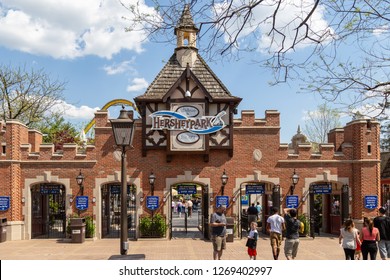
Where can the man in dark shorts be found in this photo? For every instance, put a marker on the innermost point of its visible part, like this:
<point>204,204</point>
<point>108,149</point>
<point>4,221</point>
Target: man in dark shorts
<point>292,233</point>
<point>218,226</point>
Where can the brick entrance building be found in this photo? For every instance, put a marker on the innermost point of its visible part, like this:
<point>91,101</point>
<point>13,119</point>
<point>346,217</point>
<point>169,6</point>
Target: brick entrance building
<point>188,135</point>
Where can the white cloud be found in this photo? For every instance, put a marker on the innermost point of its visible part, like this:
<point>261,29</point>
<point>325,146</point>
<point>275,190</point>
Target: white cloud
<point>137,85</point>
<point>381,30</point>
<point>69,29</point>
<point>119,68</point>
<point>72,112</point>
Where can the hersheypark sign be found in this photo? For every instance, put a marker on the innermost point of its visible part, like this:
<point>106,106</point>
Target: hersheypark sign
<point>186,120</point>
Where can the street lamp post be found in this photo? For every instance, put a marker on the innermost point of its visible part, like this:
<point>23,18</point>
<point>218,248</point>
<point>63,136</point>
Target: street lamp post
<point>224,179</point>
<point>123,130</point>
<point>152,178</point>
<point>294,180</point>
<point>80,179</point>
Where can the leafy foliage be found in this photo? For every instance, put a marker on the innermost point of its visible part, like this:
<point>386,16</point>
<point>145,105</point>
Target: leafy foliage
<point>27,95</point>
<point>153,226</point>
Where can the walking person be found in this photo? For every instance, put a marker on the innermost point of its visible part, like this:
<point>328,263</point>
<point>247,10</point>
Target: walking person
<point>179,208</point>
<point>369,235</point>
<point>275,227</point>
<point>252,214</point>
<point>251,243</point>
<point>349,238</point>
<point>382,223</point>
<point>292,233</point>
<point>218,232</point>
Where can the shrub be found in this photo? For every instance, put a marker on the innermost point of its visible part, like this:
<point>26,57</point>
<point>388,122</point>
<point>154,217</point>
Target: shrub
<point>153,226</point>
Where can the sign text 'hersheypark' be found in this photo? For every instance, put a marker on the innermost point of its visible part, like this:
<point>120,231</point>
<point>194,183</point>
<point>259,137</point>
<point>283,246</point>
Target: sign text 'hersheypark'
<point>177,121</point>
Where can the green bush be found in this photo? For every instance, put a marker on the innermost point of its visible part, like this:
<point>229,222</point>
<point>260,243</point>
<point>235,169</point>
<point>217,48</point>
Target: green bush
<point>89,227</point>
<point>153,226</point>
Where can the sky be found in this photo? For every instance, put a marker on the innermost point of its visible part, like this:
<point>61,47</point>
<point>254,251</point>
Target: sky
<point>85,44</point>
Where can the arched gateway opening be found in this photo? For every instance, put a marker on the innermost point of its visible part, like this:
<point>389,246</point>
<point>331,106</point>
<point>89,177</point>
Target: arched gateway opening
<point>48,211</point>
<point>188,214</point>
<point>111,210</point>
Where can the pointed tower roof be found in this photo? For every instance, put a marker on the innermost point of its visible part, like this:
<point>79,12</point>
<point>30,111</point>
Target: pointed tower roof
<point>186,21</point>
<point>173,70</point>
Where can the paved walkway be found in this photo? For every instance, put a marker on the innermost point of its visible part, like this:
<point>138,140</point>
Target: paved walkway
<point>183,247</point>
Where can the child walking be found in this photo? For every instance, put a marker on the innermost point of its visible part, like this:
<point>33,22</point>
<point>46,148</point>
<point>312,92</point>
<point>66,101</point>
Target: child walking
<point>252,241</point>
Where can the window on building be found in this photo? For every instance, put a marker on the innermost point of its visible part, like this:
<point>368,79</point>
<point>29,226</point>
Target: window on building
<point>3,149</point>
<point>369,149</point>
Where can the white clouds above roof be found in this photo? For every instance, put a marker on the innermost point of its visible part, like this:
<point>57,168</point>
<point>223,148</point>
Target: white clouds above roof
<point>68,29</point>
<point>138,84</point>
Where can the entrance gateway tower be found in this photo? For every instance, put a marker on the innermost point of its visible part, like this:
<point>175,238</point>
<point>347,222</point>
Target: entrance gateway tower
<point>188,138</point>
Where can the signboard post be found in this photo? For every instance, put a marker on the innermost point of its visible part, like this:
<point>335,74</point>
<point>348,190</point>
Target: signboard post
<point>4,203</point>
<point>322,188</point>
<point>152,202</point>
<point>82,202</point>
<point>292,201</point>
<point>222,200</point>
<point>371,201</point>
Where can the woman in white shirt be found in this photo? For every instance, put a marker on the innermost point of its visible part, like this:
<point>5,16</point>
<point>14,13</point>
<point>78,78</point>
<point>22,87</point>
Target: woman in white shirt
<point>349,237</point>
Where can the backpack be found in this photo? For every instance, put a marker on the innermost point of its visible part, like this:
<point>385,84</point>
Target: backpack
<point>301,227</point>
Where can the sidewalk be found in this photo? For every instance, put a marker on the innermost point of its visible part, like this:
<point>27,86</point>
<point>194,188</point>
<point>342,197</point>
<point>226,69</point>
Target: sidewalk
<point>190,248</point>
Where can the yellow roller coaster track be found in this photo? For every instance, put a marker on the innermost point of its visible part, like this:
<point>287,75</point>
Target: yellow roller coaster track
<point>108,105</point>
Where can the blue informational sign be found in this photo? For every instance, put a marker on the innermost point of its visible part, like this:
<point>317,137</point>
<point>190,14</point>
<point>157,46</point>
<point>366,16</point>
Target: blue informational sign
<point>322,188</point>
<point>371,201</point>
<point>50,189</point>
<point>222,200</point>
<point>255,189</point>
<point>244,200</point>
<point>116,189</point>
<point>82,202</point>
<point>152,202</point>
<point>4,203</point>
<point>186,189</point>
<point>292,201</point>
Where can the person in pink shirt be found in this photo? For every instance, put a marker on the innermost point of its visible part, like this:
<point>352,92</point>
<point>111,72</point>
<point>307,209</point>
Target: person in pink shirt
<point>370,236</point>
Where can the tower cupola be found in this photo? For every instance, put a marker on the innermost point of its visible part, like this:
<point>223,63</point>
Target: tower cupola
<point>186,33</point>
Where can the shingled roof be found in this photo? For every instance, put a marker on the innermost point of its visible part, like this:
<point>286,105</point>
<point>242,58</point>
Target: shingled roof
<point>172,71</point>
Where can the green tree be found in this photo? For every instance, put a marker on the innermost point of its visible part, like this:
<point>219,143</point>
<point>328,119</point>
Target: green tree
<point>346,58</point>
<point>320,122</point>
<point>27,95</point>
<point>57,131</point>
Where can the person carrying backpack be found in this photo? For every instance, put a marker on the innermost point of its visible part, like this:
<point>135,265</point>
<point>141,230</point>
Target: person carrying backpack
<point>293,226</point>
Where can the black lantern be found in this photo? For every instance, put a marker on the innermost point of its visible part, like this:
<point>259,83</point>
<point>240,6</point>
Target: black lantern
<point>224,179</point>
<point>294,181</point>
<point>123,130</point>
<point>152,178</point>
<point>80,179</point>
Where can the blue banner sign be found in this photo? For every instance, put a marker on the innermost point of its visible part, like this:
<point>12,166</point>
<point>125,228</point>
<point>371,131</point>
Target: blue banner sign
<point>82,202</point>
<point>322,188</point>
<point>186,189</point>
<point>255,189</point>
<point>244,199</point>
<point>152,202</point>
<point>292,201</point>
<point>371,201</point>
<point>50,189</point>
<point>116,189</point>
<point>4,203</point>
<point>222,200</point>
